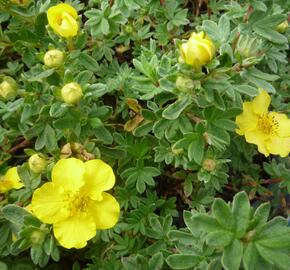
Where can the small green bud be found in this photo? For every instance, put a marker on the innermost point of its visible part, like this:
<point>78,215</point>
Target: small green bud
<point>209,165</point>
<point>282,27</point>
<point>248,47</point>
<point>184,84</point>
<point>36,163</point>
<point>20,2</point>
<point>8,88</point>
<point>53,58</point>
<point>71,93</point>
<point>129,28</point>
<point>37,237</point>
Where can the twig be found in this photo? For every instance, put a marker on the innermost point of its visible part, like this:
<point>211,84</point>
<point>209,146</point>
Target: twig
<point>19,146</point>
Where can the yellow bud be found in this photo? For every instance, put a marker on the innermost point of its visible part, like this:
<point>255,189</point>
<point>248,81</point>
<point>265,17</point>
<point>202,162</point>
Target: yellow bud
<point>8,88</point>
<point>36,163</point>
<point>197,51</point>
<point>71,93</point>
<point>20,2</point>
<point>62,18</point>
<point>209,165</point>
<point>282,27</point>
<point>184,84</point>
<point>53,58</point>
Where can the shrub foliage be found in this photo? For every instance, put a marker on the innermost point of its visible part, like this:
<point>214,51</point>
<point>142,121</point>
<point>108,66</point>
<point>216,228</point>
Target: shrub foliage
<point>171,112</point>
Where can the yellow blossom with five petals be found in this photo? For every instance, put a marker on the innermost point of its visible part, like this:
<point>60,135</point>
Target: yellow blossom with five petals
<point>10,180</point>
<point>75,201</point>
<point>62,18</point>
<point>270,131</point>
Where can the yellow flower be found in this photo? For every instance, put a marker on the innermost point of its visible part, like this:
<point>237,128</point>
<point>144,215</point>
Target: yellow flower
<point>197,51</point>
<point>75,201</point>
<point>10,180</point>
<point>270,131</point>
<point>62,18</point>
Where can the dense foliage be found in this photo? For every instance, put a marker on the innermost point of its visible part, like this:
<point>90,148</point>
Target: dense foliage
<point>187,102</point>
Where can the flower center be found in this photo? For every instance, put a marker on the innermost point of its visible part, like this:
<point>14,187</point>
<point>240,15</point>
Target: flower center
<point>77,203</point>
<point>268,124</point>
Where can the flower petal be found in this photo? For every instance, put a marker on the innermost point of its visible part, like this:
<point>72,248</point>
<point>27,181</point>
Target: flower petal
<point>106,212</point>
<point>283,127</point>
<point>246,121</point>
<point>99,177</point>
<point>261,102</point>
<point>279,146</point>
<point>59,9</point>
<point>12,176</point>
<point>49,204</point>
<point>69,26</point>
<point>4,185</point>
<point>69,174</point>
<point>259,138</point>
<point>75,231</point>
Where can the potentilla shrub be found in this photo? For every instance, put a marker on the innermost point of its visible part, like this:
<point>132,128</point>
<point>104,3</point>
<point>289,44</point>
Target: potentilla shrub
<point>144,134</point>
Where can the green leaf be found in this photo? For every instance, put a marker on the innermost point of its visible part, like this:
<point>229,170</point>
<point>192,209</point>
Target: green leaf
<point>205,223</point>
<point>183,261</point>
<point>40,24</point>
<point>223,214</point>
<point>241,211</point>
<point>277,241</point>
<point>88,62</point>
<point>181,237</point>
<point>196,150</point>
<point>232,255</point>
<point>15,214</point>
<point>261,215</point>
<point>278,258</point>
<point>211,29</point>
<point>105,27</point>
<point>250,257</point>
<point>175,109</point>
<point>143,129</point>
<point>39,76</point>
<point>104,135</point>
<point>37,254</point>
<point>50,138</point>
<point>274,227</point>
<point>246,89</point>
<point>224,27</point>
<point>270,21</point>
<point>156,261</point>
<point>271,35</point>
<point>226,124</point>
<point>219,238</point>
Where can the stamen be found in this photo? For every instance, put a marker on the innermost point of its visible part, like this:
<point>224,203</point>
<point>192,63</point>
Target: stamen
<point>268,124</point>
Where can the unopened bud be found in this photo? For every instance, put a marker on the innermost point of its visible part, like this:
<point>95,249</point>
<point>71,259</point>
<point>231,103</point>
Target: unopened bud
<point>129,28</point>
<point>20,2</point>
<point>8,88</point>
<point>248,46</point>
<point>53,58</point>
<point>37,237</point>
<point>71,93</point>
<point>282,27</point>
<point>209,165</point>
<point>36,163</point>
<point>184,84</point>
